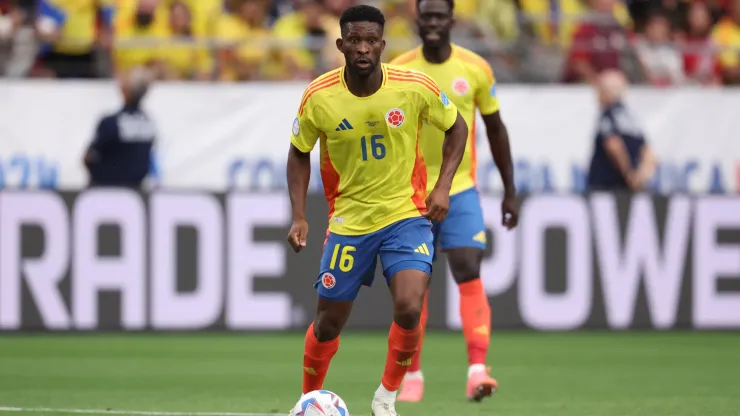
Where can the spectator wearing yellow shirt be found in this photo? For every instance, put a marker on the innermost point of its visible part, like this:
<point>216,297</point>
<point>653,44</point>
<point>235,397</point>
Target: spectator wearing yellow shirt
<point>206,15</point>
<point>68,29</point>
<point>184,54</point>
<point>318,30</point>
<point>555,21</point>
<point>399,27</point>
<point>726,35</point>
<point>139,27</point>
<point>500,17</point>
<point>244,52</point>
<point>337,7</point>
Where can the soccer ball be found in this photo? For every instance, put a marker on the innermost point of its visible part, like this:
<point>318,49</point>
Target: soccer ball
<point>320,403</point>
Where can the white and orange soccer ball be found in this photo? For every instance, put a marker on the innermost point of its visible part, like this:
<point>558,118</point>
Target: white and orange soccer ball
<point>320,403</point>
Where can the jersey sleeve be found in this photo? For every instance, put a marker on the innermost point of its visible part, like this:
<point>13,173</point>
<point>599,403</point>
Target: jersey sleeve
<point>305,134</point>
<point>485,94</point>
<point>438,109</point>
<point>105,132</point>
<point>607,128</point>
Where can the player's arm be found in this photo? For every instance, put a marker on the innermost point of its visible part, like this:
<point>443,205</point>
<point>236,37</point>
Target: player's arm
<point>616,151</point>
<point>647,165</point>
<point>104,133</point>
<point>453,149</point>
<point>299,174</point>
<point>302,141</point>
<point>443,114</point>
<point>498,140</point>
<point>498,136</point>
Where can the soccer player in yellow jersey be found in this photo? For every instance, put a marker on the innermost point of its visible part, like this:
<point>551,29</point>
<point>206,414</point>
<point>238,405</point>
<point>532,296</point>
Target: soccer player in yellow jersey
<point>462,235</point>
<point>366,117</point>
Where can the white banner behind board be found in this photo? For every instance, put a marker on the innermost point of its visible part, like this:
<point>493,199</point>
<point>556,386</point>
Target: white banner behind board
<point>216,137</point>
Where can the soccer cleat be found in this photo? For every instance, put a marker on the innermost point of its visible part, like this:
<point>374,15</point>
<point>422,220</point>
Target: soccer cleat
<point>481,385</point>
<point>383,408</point>
<point>412,390</point>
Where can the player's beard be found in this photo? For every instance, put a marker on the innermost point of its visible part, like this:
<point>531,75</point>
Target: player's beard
<point>363,72</point>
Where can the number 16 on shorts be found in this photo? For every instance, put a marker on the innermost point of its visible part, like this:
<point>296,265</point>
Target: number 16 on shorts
<point>345,267</point>
<point>345,259</point>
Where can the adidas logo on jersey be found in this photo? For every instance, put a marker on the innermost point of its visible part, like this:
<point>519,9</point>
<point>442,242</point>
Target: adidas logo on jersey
<point>344,125</point>
<point>422,249</point>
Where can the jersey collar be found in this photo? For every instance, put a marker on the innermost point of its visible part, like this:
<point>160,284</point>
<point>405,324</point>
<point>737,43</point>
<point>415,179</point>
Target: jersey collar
<point>383,67</point>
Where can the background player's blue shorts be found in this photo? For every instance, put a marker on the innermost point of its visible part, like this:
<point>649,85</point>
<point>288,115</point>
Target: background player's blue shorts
<point>349,261</point>
<point>463,226</point>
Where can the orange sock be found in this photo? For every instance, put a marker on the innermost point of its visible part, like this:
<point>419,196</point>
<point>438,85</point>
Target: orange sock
<point>316,359</point>
<point>416,360</point>
<point>476,320</point>
<point>402,344</point>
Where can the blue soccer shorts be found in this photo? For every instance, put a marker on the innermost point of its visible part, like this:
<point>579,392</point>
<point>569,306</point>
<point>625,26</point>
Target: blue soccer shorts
<point>463,227</point>
<point>349,261</point>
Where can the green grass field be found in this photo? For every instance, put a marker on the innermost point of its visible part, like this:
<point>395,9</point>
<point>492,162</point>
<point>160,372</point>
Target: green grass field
<point>587,374</point>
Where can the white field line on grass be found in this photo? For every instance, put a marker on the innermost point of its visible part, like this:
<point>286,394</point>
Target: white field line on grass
<point>8,409</point>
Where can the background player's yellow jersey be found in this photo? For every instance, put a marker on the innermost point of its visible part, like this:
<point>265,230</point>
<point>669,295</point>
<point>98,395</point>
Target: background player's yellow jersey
<point>471,85</point>
<point>372,165</point>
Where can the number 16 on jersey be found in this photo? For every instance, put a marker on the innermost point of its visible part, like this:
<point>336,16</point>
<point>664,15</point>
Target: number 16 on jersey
<point>377,148</point>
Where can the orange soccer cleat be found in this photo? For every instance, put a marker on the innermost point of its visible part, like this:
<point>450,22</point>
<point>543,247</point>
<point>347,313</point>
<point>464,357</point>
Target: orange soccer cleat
<point>481,385</point>
<point>412,390</point>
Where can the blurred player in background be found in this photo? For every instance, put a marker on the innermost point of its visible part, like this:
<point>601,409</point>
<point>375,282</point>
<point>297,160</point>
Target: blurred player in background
<point>622,160</point>
<point>121,151</point>
<point>462,234</point>
<point>367,116</point>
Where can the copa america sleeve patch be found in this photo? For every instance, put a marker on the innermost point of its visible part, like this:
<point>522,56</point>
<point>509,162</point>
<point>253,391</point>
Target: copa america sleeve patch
<point>445,100</point>
<point>296,127</point>
<point>493,90</point>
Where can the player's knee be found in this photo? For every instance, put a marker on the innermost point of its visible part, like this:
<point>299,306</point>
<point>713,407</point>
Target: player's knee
<point>326,329</point>
<point>407,311</point>
<point>465,265</point>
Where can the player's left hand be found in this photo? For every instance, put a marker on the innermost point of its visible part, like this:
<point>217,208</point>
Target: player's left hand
<point>509,212</point>
<point>438,203</point>
<point>297,235</point>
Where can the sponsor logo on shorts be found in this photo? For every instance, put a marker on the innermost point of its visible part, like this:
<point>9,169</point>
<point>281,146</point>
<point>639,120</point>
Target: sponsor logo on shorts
<point>480,237</point>
<point>422,249</point>
<point>328,280</point>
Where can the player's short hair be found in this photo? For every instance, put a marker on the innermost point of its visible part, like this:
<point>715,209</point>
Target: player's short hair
<point>450,3</point>
<point>362,13</point>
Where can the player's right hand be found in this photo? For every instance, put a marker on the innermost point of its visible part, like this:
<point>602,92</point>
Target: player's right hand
<point>438,203</point>
<point>297,235</point>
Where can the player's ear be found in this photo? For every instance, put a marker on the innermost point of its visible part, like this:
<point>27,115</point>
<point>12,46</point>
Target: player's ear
<point>382,46</point>
<point>340,44</point>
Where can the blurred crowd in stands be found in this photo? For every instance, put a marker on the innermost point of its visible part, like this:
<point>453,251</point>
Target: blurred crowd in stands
<point>657,42</point>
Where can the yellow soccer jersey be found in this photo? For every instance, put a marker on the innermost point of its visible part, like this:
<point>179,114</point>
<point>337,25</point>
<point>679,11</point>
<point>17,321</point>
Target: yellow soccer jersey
<point>78,30</point>
<point>471,85</point>
<point>372,166</point>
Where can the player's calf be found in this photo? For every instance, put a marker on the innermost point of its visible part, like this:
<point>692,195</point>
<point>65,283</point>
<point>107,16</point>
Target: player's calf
<point>408,288</point>
<point>322,341</point>
<point>465,263</point>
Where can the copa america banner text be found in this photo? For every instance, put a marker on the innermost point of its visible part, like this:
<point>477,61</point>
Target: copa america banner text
<point>110,259</point>
<point>221,137</point>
